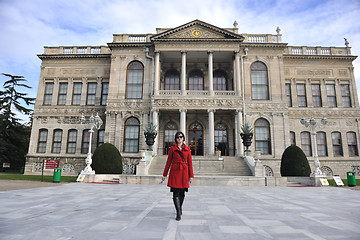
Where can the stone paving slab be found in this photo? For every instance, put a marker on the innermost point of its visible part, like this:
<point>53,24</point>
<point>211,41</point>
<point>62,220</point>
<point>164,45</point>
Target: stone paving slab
<point>125,211</point>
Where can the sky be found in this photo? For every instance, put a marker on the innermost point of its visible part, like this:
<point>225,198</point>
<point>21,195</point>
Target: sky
<point>27,26</point>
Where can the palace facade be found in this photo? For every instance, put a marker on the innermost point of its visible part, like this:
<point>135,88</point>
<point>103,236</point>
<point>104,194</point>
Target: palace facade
<point>205,81</point>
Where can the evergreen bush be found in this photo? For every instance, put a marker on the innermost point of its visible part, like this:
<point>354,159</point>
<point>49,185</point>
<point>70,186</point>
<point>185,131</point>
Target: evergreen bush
<point>294,163</point>
<point>107,160</point>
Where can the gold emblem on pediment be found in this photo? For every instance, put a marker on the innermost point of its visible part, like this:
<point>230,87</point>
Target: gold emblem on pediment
<point>196,33</point>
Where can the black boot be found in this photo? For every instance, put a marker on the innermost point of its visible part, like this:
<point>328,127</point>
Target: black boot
<point>177,207</point>
<point>182,196</point>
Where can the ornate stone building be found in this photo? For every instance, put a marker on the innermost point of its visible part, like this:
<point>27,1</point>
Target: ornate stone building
<point>205,81</point>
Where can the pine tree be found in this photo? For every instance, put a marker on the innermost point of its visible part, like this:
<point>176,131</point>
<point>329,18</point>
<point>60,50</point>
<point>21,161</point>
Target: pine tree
<point>14,135</point>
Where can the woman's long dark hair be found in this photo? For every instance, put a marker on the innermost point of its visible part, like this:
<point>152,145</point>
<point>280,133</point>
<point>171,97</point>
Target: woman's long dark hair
<point>178,133</point>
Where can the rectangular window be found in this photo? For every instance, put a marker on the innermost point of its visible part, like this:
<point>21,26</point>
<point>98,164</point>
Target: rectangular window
<point>101,137</point>
<point>91,94</point>
<point>321,144</point>
<point>316,95</point>
<point>77,94</point>
<point>57,141</point>
<point>301,95</point>
<point>48,93</point>
<point>331,95</point>
<point>306,143</point>
<point>288,94</point>
<point>42,140</point>
<point>134,84</point>
<point>352,144</point>
<point>71,145</point>
<point>104,93</point>
<point>85,141</point>
<point>62,93</point>
<point>345,94</point>
<point>337,144</point>
<point>292,138</point>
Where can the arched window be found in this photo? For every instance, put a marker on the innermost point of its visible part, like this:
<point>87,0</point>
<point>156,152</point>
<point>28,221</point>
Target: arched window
<point>71,143</point>
<point>262,136</point>
<point>56,147</point>
<point>321,144</point>
<point>337,144</point>
<point>221,139</point>
<point>259,81</point>
<point>220,81</point>
<point>42,140</point>
<point>352,144</point>
<point>134,81</point>
<point>169,135</point>
<point>85,141</point>
<point>132,130</point>
<point>196,80</point>
<point>172,80</point>
<point>306,143</point>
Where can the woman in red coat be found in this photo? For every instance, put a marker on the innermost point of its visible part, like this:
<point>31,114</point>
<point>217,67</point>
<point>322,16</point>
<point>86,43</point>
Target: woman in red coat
<point>181,171</point>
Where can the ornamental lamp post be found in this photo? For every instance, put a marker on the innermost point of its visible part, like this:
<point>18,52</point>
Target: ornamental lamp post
<point>312,124</point>
<point>94,122</point>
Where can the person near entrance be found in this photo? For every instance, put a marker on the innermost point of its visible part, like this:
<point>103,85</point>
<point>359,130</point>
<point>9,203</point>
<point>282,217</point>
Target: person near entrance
<point>179,162</point>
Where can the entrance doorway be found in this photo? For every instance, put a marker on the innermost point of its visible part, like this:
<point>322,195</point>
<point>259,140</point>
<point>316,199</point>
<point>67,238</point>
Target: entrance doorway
<point>195,137</point>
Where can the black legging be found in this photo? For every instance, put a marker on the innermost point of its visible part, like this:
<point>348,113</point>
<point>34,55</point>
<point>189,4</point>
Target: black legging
<point>178,192</point>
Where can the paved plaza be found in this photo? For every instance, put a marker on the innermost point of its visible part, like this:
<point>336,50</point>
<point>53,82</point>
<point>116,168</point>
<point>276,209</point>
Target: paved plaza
<point>119,211</point>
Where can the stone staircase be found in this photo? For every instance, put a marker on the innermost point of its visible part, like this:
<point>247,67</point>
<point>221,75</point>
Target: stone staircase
<point>205,166</point>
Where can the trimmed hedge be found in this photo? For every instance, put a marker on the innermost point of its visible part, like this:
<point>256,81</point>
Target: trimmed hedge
<point>107,160</point>
<point>294,163</point>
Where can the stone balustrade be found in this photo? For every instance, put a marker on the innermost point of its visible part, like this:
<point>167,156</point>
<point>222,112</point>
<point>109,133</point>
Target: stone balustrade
<point>76,50</point>
<point>340,51</point>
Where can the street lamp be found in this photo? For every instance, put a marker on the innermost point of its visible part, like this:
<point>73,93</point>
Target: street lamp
<point>312,124</point>
<point>94,122</point>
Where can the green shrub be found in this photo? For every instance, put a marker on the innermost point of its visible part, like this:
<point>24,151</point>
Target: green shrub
<point>107,160</point>
<point>294,163</point>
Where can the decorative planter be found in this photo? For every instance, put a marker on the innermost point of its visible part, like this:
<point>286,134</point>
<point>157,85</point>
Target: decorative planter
<point>247,140</point>
<point>150,138</point>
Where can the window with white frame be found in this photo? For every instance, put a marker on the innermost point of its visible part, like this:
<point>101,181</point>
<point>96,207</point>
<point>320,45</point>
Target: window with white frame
<point>352,144</point>
<point>132,130</point>
<point>306,143</point>
<point>337,144</point>
<point>321,144</point>
<point>42,141</point>
<point>292,138</point>
<point>331,95</point>
<point>49,87</point>
<point>262,136</point>
<point>134,80</point>
<point>104,93</point>
<point>288,94</point>
<point>345,94</point>
<point>301,95</point>
<point>85,141</point>
<point>259,81</point>
<point>91,93</point>
<point>316,95</point>
<point>169,135</point>
<point>56,148</point>
<point>71,143</point>
<point>62,93</point>
<point>101,137</point>
<point>76,93</point>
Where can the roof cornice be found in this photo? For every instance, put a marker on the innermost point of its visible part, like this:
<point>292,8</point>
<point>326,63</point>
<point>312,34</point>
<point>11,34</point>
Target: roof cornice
<point>47,56</point>
<point>340,57</point>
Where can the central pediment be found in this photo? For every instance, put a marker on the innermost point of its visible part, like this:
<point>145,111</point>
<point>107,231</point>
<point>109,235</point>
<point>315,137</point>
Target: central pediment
<point>197,31</point>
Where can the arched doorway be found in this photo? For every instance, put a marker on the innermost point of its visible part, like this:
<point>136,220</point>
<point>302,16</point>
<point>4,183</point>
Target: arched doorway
<point>221,139</point>
<point>195,139</point>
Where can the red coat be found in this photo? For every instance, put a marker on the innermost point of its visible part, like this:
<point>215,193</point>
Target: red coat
<point>180,172</point>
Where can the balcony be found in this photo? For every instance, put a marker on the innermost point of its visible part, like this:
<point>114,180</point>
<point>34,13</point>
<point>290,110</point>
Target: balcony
<point>76,50</point>
<point>323,51</point>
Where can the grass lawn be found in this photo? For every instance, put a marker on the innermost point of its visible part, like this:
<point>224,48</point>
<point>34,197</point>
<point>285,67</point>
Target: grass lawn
<point>332,182</point>
<point>12,176</point>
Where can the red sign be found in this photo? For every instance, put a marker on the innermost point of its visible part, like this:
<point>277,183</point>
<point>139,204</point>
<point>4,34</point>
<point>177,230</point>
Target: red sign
<point>51,164</point>
<point>6,165</point>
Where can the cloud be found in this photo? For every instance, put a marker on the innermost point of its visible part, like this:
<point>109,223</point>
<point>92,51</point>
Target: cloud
<point>27,26</point>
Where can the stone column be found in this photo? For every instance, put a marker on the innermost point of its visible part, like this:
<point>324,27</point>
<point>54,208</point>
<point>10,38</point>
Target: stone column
<point>211,79</point>
<point>157,73</point>
<point>156,123</point>
<point>211,150</point>
<point>237,73</point>
<point>238,141</point>
<point>183,73</point>
<point>183,121</point>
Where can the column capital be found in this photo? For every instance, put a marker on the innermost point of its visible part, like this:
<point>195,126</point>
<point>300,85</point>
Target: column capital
<point>183,51</point>
<point>237,52</point>
<point>155,110</point>
<point>211,110</point>
<point>182,110</point>
<point>210,51</point>
<point>157,51</point>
